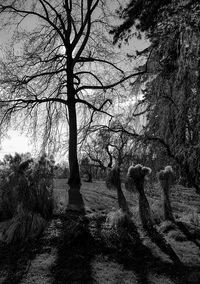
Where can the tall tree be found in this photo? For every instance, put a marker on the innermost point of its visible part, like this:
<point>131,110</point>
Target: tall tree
<point>172,86</point>
<point>61,56</point>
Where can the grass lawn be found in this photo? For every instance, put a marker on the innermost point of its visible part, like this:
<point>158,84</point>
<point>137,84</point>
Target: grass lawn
<point>61,256</point>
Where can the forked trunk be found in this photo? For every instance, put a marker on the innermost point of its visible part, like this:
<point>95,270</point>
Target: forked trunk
<point>75,201</point>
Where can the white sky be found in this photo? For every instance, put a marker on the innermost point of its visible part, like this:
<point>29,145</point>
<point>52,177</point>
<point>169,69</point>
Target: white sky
<point>15,143</point>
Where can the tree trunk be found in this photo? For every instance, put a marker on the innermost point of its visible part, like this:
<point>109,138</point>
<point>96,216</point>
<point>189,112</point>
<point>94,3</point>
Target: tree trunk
<point>144,210</point>
<point>75,201</point>
<point>122,200</point>
<point>167,205</point>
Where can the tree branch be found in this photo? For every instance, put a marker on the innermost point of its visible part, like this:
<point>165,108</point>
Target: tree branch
<point>90,106</point>
<point>110,86</point>
<point>92,59</point>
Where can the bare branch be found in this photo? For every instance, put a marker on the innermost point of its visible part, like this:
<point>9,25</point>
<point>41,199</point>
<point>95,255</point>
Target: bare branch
<point>7,8</point>
<point>90,106</point>
<point>110,86</point>
<point>89,73</point>
<point>92,59</point>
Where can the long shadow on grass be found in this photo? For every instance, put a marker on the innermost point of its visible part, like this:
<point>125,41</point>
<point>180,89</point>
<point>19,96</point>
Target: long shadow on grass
<point>161,242</point>
<point>145,265</point>
<point>127,249</point>
<point>190,236</point>
<point>83,238</point>
<point>14,261</point>
<point>74,251</point>
<point>77,248</point>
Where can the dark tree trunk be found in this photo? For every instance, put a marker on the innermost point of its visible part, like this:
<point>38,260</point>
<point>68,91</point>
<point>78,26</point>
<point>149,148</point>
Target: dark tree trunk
<point>115,180</point>
<point>122,200</point>
<point>144,210</point>
<point>167,205</point>
<point>75,201</point>
<point>189,178</point>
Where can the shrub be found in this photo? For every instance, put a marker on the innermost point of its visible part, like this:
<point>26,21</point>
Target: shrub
<point>40,178</point>
<point>9,185</point>
<point>27,196</point>
<point>25,225</point>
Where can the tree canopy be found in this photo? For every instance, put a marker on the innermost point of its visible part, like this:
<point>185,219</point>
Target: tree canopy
<point>61,57</point>
<point>171,91</point>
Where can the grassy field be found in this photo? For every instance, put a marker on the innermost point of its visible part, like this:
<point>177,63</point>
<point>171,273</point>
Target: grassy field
<point>56,258</point>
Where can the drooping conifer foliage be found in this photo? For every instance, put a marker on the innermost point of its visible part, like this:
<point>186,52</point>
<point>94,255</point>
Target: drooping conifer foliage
<point>173,81</point>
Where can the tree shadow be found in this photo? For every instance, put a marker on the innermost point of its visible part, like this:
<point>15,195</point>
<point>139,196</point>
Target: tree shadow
<point>122,245</point>
<point>190,236</point>
<point>75,199</point>
<point>14,260</point>
<point>74,250</point>
<point>145,264</point>
<point>83,239</point>
<point>159,240</point>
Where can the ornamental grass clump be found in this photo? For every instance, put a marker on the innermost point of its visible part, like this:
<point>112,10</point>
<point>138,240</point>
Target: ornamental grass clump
<point>9,185</point>
<point>40,178</point>
<point>24,226</point>
<point>32,183</point>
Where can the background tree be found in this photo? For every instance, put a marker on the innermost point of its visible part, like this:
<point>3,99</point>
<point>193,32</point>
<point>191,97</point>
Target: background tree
<point>58,59</point>
<point>86,168</point>
<point>171,92</point>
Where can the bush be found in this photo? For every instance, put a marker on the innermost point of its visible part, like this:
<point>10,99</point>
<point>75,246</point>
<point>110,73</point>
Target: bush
<point>26,196</point>
<point>25,225</point>
<point>40,178</point>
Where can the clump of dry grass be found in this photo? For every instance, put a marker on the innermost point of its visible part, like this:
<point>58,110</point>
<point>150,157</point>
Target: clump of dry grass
<point>157,212</point>
<point>25,225</point>
<point>191,218</point>
<point>167,226</point>
<point>32,183</point>
<point>116,219</point>
<point>177,236</point>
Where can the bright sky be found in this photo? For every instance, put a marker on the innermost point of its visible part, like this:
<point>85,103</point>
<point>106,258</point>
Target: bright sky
<point>15,143</point>
<point>19,143</point>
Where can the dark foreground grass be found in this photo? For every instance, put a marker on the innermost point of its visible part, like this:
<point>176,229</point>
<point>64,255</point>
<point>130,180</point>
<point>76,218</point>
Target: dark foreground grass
<point>80,253</point>
<point>15,260</point>
<point>74,251</point>
<point>79,248</point>
<point>86,251</point>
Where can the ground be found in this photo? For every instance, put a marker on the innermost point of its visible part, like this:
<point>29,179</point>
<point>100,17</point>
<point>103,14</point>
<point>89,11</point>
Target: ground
<point>62,255</point>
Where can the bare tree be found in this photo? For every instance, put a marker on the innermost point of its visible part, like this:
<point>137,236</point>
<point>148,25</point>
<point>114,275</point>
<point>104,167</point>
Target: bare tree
<point>60,57</point>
